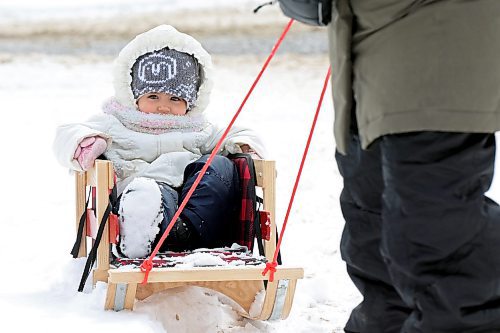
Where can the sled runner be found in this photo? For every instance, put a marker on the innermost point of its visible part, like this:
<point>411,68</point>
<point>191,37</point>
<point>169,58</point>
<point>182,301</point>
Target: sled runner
<point>238,274</point>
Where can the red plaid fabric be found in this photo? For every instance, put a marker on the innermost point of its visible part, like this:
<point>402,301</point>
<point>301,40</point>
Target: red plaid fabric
<point>229,256</point>
<point>245,230</point>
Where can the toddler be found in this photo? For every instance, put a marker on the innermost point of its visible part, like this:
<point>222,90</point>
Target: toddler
<point>155,133</point>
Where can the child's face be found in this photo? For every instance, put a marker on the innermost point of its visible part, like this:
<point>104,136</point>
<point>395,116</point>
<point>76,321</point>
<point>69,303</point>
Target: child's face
<point>162,103</point>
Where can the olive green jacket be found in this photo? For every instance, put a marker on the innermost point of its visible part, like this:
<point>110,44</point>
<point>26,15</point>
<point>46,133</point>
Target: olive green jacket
<point>415,65</point>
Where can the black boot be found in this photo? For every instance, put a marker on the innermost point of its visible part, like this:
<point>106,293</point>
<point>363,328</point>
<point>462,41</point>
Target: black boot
<point>182,236</point>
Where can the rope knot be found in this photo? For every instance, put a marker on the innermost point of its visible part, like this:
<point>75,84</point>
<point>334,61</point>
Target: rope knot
<point>271,268</point>
<point>146,267</point>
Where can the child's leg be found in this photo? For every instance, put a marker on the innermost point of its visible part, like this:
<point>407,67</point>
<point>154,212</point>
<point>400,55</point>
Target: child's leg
<point>140,211</point>
<point>182,236</point>
<point>169,198</point>
<point>212,209</point>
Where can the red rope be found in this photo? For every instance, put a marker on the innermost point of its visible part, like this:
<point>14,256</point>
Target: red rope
<point>271,267</point>
<point>147,265</point>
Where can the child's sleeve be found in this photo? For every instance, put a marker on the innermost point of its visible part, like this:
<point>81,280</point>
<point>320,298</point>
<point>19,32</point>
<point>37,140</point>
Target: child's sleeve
<point>236,137</point>
<point>69,136</point>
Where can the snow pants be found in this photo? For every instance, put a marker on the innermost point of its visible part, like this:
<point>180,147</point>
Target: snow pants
<point>421,239</point>
<point>211,211</point>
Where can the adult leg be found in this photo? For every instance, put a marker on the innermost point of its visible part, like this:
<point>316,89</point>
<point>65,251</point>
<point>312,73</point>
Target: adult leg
<point>382,309</point>
<point>212,209</point>
<point>441,235</point>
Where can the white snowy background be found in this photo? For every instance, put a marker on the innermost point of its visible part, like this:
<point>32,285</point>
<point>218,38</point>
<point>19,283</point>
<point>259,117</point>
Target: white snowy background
<point>42,86</point>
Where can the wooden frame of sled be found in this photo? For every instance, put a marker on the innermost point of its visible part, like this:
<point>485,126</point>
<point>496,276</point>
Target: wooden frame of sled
<point>241,284</point>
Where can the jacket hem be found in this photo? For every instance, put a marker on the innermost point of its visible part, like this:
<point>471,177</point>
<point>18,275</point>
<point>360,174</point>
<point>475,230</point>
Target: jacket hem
<point>430,120</point>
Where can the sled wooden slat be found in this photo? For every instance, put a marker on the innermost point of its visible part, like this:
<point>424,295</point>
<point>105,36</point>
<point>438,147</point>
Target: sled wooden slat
<point>102,178</point>
<point>130,295</point>
<point>266,176</point>
<point>202,274</point>
<point>240,283</point>
<point>80,182</point>
<point>100,275</point>
<point>109,303</point>
<point>91,175</point>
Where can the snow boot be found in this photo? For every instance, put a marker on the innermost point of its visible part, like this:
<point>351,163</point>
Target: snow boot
<point>182,237</point>
<point>140,214</point>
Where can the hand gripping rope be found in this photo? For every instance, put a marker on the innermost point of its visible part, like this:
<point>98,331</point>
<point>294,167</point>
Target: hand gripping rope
<point>147,265</point>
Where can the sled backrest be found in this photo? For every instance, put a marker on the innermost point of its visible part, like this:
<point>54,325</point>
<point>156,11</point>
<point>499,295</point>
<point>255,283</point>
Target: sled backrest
<point>252,221</point>
<point>265,171</point>
<point>101,176</point>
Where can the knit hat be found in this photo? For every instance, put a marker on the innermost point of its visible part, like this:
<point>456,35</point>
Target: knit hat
<point>168,71</point>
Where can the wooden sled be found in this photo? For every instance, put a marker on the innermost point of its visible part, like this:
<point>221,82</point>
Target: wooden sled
<point>241,284</point>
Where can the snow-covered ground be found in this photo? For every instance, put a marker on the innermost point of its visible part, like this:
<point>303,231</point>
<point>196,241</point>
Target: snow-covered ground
<point>40,90</point>
<point>39,280</point>
<point>49,85</point>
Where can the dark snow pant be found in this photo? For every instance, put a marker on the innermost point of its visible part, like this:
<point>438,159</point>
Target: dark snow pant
<point>211,211</point>
<point>421,240</point>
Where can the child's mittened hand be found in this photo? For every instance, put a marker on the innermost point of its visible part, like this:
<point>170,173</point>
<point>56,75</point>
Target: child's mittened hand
<point>88,150</point>
<point>248,150</point>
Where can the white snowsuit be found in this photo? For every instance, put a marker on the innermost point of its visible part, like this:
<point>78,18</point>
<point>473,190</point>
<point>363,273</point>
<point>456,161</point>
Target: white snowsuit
<point>164,156</point>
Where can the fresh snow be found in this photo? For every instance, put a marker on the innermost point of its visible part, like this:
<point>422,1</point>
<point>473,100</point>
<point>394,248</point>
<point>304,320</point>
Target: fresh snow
<point>39,280</point>
<point>200,260</point>
<point>38,220</point>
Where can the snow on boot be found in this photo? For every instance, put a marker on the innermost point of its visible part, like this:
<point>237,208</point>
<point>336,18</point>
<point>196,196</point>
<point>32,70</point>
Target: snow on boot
<point>140,214</point>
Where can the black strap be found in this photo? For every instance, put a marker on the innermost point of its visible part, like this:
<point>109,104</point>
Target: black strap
<point>278,258</point>
<point>81,225</point>
<point>257,226</point>
<point>93,252</point>
<point>264,4</point>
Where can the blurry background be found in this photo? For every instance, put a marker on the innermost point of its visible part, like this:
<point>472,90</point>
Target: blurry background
<point>85,28</point>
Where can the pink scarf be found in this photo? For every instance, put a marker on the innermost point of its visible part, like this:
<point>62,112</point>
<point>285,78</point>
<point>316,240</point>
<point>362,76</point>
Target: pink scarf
<point>150,123</point>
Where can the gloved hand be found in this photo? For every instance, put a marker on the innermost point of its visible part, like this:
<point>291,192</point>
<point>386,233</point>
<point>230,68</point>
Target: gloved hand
<point>249,150</point>
<point>88,150</point>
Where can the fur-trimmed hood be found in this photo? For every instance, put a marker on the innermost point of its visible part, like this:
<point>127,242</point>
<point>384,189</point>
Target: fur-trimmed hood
<point>153,40</point>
